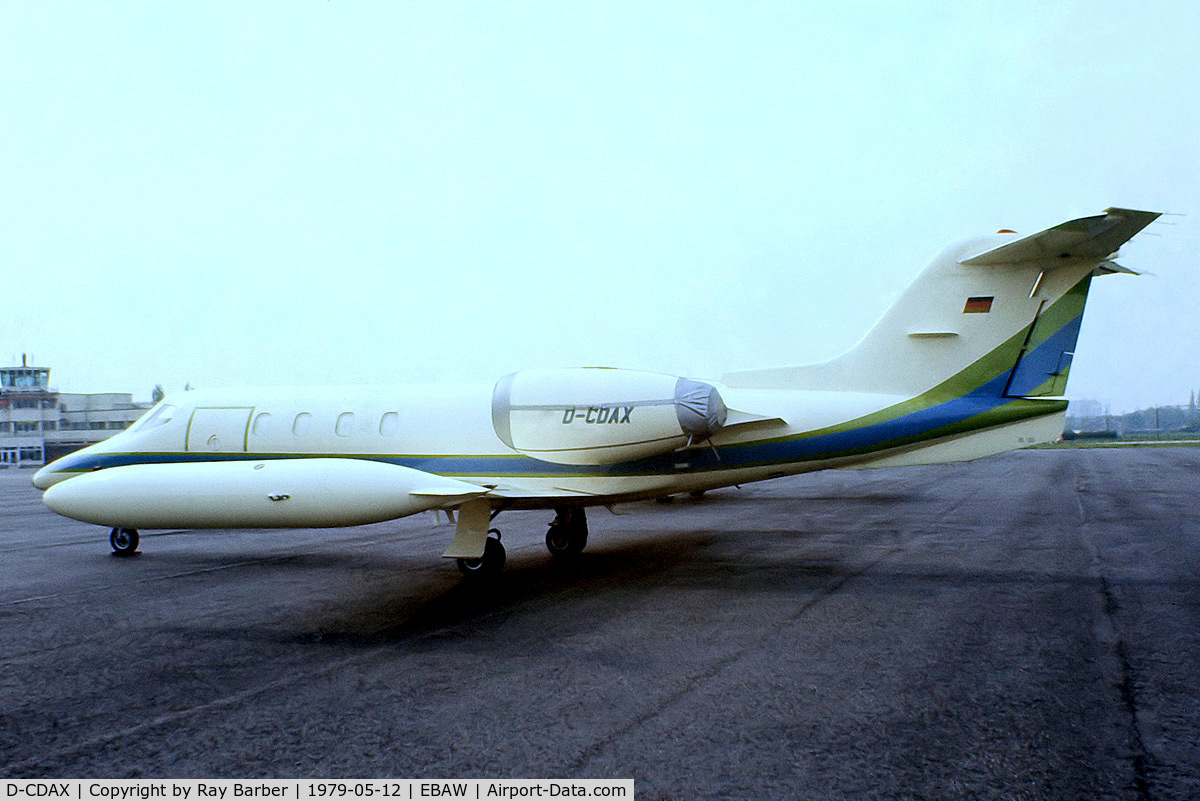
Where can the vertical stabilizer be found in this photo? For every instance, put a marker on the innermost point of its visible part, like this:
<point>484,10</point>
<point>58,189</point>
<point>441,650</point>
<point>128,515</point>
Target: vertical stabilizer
<point>996,314</point>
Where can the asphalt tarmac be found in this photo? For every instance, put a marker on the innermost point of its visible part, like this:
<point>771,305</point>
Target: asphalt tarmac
<point>1023,627</point>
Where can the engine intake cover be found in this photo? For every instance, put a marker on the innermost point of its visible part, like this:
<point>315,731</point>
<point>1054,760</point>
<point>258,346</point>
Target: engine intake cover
<point>593,415</point>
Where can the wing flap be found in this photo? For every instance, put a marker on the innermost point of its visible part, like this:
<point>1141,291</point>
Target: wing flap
<point>450,492</point>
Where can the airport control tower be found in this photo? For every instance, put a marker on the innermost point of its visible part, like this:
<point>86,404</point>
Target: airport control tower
<point>28,408</point>
<point>39,424</point>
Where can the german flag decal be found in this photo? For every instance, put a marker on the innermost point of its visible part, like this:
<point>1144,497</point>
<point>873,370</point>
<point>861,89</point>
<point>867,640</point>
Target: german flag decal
<point>978,305</point>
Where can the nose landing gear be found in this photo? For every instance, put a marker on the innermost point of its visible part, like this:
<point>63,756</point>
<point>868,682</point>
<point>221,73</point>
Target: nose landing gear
<point>124,541</point>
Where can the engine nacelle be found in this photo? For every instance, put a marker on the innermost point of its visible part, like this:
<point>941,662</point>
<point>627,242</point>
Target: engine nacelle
<point>596,415</point>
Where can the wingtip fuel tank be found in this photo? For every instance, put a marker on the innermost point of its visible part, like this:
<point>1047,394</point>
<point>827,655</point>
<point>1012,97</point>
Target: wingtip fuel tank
<point>279,493</point>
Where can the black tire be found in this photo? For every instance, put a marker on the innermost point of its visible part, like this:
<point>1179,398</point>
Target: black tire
<point>568,535</point>
<point>124,541</point>
<point>486,566</point>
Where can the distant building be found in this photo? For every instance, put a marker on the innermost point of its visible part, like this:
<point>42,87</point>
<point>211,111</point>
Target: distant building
<point>38,424</point>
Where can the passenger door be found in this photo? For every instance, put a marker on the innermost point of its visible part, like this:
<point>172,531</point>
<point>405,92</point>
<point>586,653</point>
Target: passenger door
<point>217,430</point>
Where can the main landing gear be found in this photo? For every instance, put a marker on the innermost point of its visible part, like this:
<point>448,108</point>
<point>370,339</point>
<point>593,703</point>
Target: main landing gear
<point>491,563</point>
<point>565,539</point>
<point>124,541</point>
<point>567,536</point>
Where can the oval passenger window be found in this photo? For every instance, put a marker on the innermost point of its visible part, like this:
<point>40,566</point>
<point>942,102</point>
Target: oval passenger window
<point>389,423</point>
<point>261,424</point>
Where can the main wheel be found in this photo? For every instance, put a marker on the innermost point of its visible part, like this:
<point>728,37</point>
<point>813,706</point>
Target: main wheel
<point>490,564</point>
<point>567,536</point>
<point>124,541</point>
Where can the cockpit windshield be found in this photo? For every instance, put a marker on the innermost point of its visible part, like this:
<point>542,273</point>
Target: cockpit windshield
<point>160,415</point>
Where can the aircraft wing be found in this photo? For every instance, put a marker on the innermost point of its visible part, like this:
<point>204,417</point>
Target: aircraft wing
<point>1087,237</point>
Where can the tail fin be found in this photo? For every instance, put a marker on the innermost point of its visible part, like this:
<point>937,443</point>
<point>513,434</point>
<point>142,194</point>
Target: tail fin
<point>996,315</point>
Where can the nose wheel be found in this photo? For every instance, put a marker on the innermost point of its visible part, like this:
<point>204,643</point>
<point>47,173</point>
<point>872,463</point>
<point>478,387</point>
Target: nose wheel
<point>124,541</point>
<point>567,536</point>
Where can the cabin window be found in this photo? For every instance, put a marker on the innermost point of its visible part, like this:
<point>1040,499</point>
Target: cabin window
<point>345,424</point>
<point>261,424</point>
<point>160,415</point>
<point>388,424</point>
<point>301,424</point>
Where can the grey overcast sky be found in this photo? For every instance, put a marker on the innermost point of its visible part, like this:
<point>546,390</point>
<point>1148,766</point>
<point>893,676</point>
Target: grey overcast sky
<point>357,192</point>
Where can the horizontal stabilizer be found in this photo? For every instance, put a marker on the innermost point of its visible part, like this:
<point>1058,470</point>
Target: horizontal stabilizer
<point>1088,237</point>
<point>1110,267</point>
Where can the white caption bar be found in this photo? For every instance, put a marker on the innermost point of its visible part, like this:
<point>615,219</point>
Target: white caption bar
<point>311,789</point>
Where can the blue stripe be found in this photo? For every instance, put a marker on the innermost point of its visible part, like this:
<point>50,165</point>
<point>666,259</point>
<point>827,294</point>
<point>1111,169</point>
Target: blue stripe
<point>1046,360</point>
<point>921,424</point>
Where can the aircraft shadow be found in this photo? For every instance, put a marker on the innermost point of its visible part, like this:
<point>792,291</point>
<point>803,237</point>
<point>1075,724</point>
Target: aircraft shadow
<point>428,607</point>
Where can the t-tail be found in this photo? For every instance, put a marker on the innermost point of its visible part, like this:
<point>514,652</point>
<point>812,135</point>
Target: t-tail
<point>985,334</point>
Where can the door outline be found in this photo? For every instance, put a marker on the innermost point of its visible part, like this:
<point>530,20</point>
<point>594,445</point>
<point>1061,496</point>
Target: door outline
<point>220,422</point>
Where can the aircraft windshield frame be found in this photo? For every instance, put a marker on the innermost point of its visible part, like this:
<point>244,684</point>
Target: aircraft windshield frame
<point>158,416</point>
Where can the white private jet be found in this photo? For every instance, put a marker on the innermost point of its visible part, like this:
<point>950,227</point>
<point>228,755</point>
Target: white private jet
<point>971,361</point>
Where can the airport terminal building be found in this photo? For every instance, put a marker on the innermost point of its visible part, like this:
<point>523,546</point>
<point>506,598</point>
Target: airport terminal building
<point>38,424</point>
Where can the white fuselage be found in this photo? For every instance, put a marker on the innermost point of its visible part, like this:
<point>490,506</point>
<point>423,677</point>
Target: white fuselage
<point>448,431</point>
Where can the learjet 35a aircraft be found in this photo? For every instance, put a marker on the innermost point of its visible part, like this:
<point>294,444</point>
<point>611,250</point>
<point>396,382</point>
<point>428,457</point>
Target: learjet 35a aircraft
<point>971,361</point>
